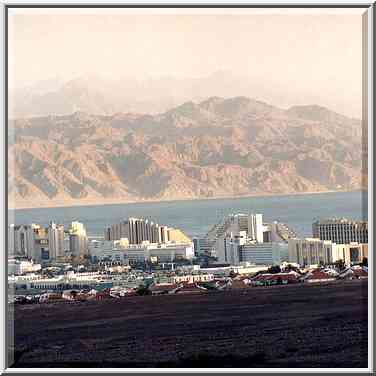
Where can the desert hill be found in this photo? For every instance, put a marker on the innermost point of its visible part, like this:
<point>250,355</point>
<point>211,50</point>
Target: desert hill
<point>211,148</point>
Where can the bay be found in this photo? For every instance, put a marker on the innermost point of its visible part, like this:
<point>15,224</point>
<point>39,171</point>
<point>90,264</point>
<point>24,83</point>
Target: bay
<point>196,217</point>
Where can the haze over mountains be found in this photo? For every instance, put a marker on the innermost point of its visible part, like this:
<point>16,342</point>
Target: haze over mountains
<point>209,148</point>
<point>95,94</point>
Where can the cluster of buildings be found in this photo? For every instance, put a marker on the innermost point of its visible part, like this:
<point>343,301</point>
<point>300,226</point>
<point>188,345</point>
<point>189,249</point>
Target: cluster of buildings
<point>129,242</point>
<point>139,230</point>
<point>47,244</point>
<point>334,240</point>
<point>137,250</point>
<point>81,286</point>
<point>120,251</point>
<point>312,275</point>
<point>241,238</point>
<point>138,240</point>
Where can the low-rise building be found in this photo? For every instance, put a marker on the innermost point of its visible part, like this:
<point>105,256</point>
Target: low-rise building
<point>158,253</point>
<point>311,251</point>
<point>274,279</point>
<point>351,253</point>
<point>314,251</point>
<point>318,276</point>
<point>18,267</point>
<point>248,269</point>
<point>123,252</point>
<point>60,282</point>
<point>203,246</point>
<point>104,250</point>
<point>357,272</point>
<point>193,278</point>
<point>263,253</point>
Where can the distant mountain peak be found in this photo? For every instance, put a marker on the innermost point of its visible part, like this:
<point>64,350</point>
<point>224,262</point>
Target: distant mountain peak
<point>316,112</point>
<point>213,148</point>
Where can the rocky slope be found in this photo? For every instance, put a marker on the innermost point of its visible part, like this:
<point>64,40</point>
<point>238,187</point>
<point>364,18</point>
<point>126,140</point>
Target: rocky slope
<point>217,147</point>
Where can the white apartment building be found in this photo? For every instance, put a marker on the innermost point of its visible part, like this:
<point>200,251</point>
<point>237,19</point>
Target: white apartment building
<point>263,253</point>
<point>36,242</point>
<point>11,238</point>
<point>313,251</point>
<point>122,251</point>
<point>78,242</point>
<point>255,228</point>
<point>351,253</point>
<point>108,250</point>
<point>19,267</point>
<point>227,247</point>
<point>138,230</point>
<point>341,230</point>
<point>58,282</point>
<point>55,240</point>
<point>203,246</point>
<point>21,240</point>
<point>220,240</point>
<point>233,223</point>
<point>236,249</point>
<point>167,252</point>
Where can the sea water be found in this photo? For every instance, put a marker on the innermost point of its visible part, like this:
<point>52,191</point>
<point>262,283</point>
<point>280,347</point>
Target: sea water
<point>196,217</point>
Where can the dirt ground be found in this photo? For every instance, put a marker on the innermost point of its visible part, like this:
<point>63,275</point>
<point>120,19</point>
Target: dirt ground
<point>289,326</point>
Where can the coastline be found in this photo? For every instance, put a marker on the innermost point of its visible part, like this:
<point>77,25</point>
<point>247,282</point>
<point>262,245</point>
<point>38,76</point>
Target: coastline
<point>93,202</point>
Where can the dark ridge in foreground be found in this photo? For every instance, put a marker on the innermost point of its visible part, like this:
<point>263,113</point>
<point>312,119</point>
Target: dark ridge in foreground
<point>305,326</point>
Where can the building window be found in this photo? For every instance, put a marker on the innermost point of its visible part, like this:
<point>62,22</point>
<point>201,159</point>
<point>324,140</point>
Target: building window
<point>297,254</point>
<point>354,255</point>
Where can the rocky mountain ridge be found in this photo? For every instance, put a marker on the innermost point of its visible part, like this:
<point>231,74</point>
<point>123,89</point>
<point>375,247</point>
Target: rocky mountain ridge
<point>212,148</point>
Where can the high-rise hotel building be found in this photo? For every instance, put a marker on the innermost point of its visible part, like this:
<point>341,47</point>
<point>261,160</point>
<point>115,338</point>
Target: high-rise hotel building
<point>36,242</point>
<point>55,240</point>
<point>138,230</point>
<point>341,231</point>
<point>78,241</point>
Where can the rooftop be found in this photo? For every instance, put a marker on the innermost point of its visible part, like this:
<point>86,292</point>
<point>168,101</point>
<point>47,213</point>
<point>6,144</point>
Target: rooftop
<point>339,221</point>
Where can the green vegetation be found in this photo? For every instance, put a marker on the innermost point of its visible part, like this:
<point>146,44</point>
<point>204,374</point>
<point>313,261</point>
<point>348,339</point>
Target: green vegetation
<point>143,290</point>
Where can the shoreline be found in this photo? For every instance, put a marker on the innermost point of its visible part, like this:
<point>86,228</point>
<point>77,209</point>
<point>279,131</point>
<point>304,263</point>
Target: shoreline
<point>92,202</point>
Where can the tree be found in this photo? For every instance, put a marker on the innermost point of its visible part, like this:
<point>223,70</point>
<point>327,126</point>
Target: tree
<point>274,269</point>
<point>340,264</point>
<point>290,268</point>
<point>74,294</point>
<point>142,290</point>
<point>232,274</point>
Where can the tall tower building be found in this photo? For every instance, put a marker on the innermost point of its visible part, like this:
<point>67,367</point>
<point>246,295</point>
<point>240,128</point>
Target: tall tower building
<point>78,243</point>
<point>56,240</point>
<point>255,230</point>
<point>40,251</point>
<point>11,237</point>
<point>163,234</point>
<point>23,238</point>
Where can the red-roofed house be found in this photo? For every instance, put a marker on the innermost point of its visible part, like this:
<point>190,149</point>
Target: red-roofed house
<point>318,276</point>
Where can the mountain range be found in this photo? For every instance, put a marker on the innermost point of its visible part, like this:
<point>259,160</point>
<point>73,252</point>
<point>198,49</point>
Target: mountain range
<point>215,147</point>
<point>96,94</point>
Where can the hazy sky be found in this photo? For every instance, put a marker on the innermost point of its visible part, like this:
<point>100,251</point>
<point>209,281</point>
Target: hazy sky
<point>305,51</point>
